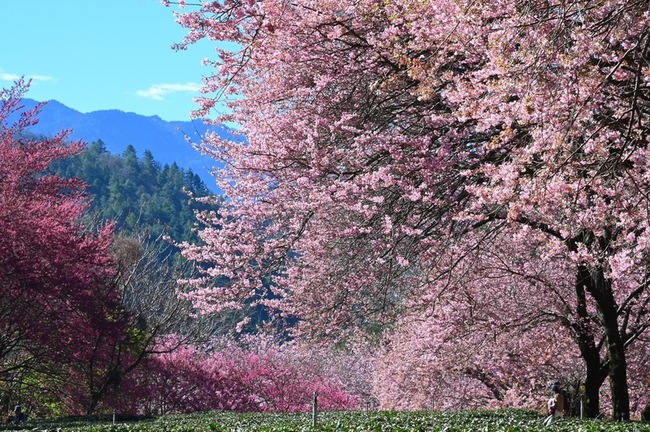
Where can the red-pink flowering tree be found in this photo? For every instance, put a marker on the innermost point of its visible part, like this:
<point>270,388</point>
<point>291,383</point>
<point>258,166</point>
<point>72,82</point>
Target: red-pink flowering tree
<point>252,376</point>
<point>54,270</point>
<point>376,131</point>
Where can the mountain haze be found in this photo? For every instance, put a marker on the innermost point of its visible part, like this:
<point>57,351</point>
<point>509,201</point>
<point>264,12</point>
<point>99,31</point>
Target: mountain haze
<point>118,129</point>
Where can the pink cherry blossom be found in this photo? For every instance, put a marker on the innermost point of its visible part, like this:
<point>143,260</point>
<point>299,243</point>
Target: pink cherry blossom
<point>378,135</point>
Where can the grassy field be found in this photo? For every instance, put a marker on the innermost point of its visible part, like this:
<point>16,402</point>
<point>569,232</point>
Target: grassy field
<point>374,421</point>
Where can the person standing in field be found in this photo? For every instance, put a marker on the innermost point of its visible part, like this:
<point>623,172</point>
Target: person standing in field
<point>556,405</point>
<point>18,414</point>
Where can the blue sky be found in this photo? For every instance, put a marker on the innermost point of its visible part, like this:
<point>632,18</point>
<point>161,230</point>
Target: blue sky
<point>102,54</point>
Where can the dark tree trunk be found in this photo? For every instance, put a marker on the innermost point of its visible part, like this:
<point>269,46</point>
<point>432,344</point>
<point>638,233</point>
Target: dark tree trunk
<point>596,372</point>
<point>593,382</point>
<point>618,375</point>
<point>621,397</point>
<point>92,405</point>
<point>600,289</point>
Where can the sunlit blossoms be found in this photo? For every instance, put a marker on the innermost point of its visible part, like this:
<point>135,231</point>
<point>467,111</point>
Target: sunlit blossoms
<point>380,134</point>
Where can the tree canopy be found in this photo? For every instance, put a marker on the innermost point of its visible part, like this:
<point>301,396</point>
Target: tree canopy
<point>90,314</point>
<point>381,135</point>
<point>55,271</point>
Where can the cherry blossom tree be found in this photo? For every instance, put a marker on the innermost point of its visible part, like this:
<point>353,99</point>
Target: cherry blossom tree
<point>251,375</point>
<point>53,268</point>
<point>495,329</point>
<point>376,132</point>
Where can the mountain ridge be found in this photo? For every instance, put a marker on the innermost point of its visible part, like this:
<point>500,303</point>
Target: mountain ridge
<point>117,129</point>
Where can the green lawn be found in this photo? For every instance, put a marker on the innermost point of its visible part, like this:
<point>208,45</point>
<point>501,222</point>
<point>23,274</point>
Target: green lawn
<point>374,421</point>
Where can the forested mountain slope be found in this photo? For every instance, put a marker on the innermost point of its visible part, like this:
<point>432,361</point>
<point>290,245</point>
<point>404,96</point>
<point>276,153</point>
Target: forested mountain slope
<point>118,129</point>
<point>137,191</point>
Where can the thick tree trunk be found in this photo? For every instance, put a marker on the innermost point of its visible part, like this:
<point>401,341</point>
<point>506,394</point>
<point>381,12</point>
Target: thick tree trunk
<point>593,382</point>
<point>617,367</point>
<point>596,372</point>
<point>620,393</point>
<point>600,289</point>
<point>92,405</point>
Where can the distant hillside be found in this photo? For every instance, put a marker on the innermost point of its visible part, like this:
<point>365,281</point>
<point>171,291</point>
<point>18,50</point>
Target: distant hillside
<point>136,192</point>
<point>118,129</point>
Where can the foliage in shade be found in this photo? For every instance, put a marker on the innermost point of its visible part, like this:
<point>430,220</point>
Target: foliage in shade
<point>379,135</point>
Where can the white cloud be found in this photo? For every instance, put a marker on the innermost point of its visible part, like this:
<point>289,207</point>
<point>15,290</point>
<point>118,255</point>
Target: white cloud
<point>5,76</point>
<point>159,91</point>
<point>8,77</point>
<point>41,78</point>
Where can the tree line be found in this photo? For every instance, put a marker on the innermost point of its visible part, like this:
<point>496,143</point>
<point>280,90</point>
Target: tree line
<point>137,192</point>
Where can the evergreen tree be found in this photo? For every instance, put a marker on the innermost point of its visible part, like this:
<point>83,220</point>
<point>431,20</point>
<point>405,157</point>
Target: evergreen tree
<point>137,193</point>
